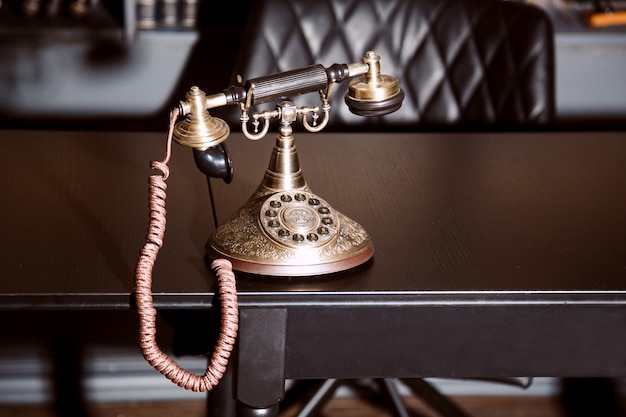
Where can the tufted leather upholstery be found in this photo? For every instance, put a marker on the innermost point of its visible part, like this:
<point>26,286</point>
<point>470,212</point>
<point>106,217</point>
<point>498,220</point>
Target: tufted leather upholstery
<point>462,63</point>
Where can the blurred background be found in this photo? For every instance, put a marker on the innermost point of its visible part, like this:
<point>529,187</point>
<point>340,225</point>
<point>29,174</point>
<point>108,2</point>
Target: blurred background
<point>122,64</point>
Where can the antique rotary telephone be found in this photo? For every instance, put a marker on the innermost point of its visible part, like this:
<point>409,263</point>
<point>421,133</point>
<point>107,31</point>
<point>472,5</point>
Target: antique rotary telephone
<point>283,229</point>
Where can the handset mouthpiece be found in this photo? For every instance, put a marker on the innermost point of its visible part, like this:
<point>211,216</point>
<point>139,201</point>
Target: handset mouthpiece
<point>374,94</point>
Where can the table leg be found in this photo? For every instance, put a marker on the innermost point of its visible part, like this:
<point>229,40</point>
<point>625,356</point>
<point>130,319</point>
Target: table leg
<point>244,410</point>
<point>260,367</point>
<point>221,399</point>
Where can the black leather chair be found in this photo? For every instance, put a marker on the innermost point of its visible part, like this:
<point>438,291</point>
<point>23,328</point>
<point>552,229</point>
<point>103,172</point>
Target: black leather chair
<point>463,64</point>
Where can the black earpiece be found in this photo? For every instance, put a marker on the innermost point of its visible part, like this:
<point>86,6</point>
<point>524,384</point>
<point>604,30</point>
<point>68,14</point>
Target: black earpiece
<point>215,162</point>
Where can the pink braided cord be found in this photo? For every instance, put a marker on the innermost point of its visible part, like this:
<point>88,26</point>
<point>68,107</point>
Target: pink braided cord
<point>143,293</point>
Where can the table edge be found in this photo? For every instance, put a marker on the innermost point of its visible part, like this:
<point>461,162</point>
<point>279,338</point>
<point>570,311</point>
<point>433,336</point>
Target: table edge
<point>316,299</point>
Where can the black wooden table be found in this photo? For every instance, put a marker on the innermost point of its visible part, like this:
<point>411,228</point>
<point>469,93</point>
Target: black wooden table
<point>496,254</point>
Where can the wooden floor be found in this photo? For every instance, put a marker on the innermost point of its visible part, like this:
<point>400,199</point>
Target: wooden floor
<point>338,407</point>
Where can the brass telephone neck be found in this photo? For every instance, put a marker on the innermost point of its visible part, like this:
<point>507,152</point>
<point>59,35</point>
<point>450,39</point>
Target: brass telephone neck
<point>283,171</point>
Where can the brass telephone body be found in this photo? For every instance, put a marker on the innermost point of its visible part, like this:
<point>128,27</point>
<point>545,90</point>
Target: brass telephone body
<point>284,229</point>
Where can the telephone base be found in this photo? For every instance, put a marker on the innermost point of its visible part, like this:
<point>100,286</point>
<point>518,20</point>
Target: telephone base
<point>290,233</point>
<point>294,270</point>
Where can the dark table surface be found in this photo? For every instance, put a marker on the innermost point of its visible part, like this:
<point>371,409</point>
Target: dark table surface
<point>530,217</point>
<point>496,253</point>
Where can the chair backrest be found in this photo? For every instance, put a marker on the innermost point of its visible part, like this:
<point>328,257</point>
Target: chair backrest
<point>462,63</point>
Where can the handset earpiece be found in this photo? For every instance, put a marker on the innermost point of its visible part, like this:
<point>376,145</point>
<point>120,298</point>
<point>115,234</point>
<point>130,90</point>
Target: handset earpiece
<point>205,134</point>
<point>215,162</point>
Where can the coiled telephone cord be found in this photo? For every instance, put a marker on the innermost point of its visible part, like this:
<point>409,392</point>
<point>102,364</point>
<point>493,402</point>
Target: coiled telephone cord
<point>143,293</point>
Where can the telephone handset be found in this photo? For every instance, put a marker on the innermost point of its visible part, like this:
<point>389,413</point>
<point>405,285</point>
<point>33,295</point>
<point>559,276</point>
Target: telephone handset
<point>284,229</point>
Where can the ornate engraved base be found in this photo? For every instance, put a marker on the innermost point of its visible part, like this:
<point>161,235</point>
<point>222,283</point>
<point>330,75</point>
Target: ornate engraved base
<point>290,233</point>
